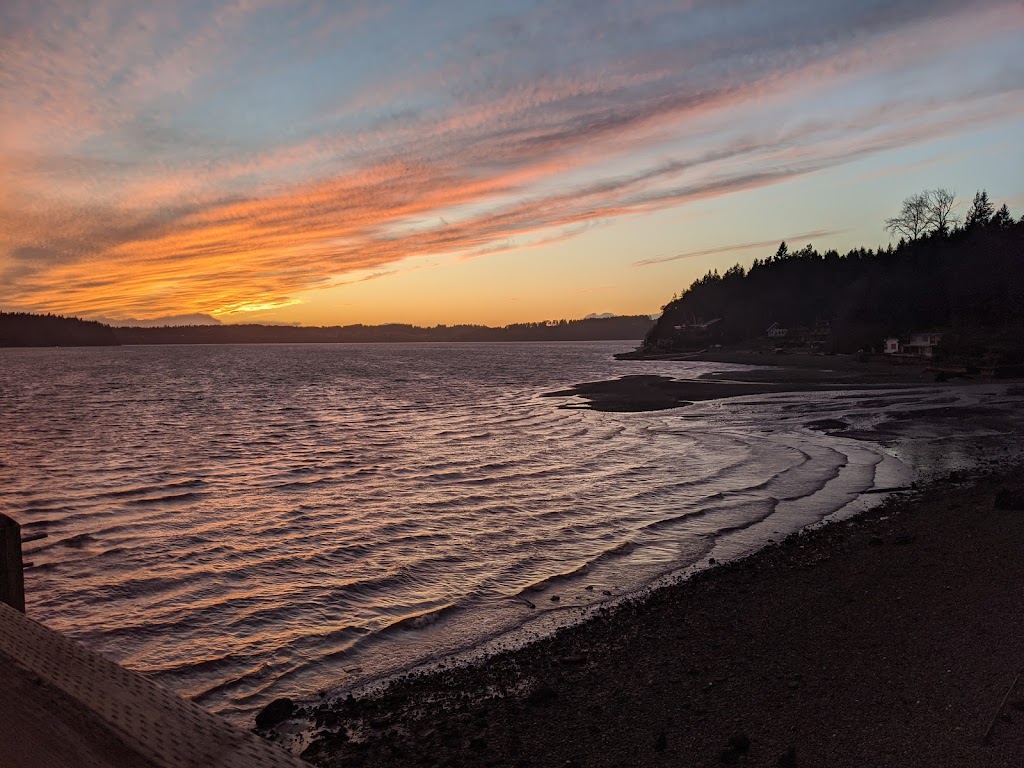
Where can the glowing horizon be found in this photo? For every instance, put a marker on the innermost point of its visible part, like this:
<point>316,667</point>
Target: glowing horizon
<point>404,163</point>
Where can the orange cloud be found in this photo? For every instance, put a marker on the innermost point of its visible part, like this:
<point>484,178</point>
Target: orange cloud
<point>208,224</point>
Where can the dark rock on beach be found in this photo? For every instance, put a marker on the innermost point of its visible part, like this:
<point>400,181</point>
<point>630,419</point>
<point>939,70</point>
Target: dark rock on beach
<point>828,425</point>
<point>274,713</point>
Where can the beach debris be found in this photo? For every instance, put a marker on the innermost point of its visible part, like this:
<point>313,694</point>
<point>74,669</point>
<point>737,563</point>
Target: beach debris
<point>893,489</point>
<point>275,712</point>
<point>999,710</point>
<point>828,425</point>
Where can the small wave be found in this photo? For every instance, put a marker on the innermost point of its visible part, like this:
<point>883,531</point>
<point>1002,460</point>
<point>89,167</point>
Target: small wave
<point>200,665</point>
<point>557,578</point>
<point>134,588</point>
<point>302,483</point>
<point>46,510</point>
<point>420,620</point>
<point>762,507</point>
<point>171,498</point>
<point>145,489</point>
<point>77,542</point>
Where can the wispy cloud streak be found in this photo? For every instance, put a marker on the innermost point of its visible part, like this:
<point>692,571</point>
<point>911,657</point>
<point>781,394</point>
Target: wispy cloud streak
<point>733,248</point>
<point>179,159</point>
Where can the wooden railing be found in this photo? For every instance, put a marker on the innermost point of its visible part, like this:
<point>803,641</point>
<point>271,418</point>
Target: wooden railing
<point>12,569</point>
<point>159,728</point>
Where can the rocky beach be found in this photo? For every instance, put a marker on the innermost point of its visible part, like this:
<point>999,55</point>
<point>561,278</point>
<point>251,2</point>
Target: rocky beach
<point>894,638</point>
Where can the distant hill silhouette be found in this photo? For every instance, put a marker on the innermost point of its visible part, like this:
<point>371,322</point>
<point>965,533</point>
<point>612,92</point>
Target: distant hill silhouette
<point>27,330</point>
<point>21,329</point>
<point>628,328</point>
<point>194,319</point>
<point>967,281</point>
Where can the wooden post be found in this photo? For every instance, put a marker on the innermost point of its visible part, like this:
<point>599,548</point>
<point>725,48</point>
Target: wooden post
<point>12,576</point>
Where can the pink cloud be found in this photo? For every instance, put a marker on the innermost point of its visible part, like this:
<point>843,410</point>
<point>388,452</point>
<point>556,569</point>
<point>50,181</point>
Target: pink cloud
<point>530,162</point>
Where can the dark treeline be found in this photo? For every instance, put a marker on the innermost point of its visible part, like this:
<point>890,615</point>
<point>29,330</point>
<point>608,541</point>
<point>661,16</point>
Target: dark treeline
<point>967,281</point>
<point>629,328</point>
<point>21,330</point>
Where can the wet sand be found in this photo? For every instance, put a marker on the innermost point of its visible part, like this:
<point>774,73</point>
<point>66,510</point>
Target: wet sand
<point>653,393</point>
<point>893,639</point>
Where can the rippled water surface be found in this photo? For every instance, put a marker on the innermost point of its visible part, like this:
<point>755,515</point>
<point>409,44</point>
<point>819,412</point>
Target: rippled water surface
<point>245,522</point>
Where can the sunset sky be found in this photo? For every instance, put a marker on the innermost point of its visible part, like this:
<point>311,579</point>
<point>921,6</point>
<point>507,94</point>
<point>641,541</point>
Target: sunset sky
<point>489,162</point>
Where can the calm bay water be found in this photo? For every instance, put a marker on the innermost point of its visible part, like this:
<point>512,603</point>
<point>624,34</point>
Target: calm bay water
<point>247,522</point>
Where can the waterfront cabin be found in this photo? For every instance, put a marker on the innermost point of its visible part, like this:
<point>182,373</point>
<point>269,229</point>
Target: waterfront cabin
<point>922,344</point>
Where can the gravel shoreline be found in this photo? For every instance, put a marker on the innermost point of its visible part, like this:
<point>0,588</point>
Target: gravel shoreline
<point>889,639</point>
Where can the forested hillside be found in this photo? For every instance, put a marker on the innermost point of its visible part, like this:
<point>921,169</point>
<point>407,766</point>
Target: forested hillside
<point>21,329</point>
<point>967,280</point>
<point>26,330</point>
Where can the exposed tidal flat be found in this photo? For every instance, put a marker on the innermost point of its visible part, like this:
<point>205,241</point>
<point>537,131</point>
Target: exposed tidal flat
<point>247,523</point>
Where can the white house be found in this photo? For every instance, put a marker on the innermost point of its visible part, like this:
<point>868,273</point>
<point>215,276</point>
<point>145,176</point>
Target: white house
<point>922,344</point>
<point>892,346</point>
<point>776,331</point>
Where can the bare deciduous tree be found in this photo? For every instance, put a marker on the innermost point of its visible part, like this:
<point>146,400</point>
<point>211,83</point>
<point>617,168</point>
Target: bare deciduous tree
<point>928,211</point>
<point>913,218</point>
<point>941,216</point>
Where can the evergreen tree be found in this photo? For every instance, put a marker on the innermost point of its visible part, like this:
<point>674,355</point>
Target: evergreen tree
<point>968,281</point>
<point>1003,219</point>
<point>981,211</point>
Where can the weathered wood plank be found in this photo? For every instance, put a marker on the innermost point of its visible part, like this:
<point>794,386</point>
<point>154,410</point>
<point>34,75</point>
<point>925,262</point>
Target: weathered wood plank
<point>154,723</point>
